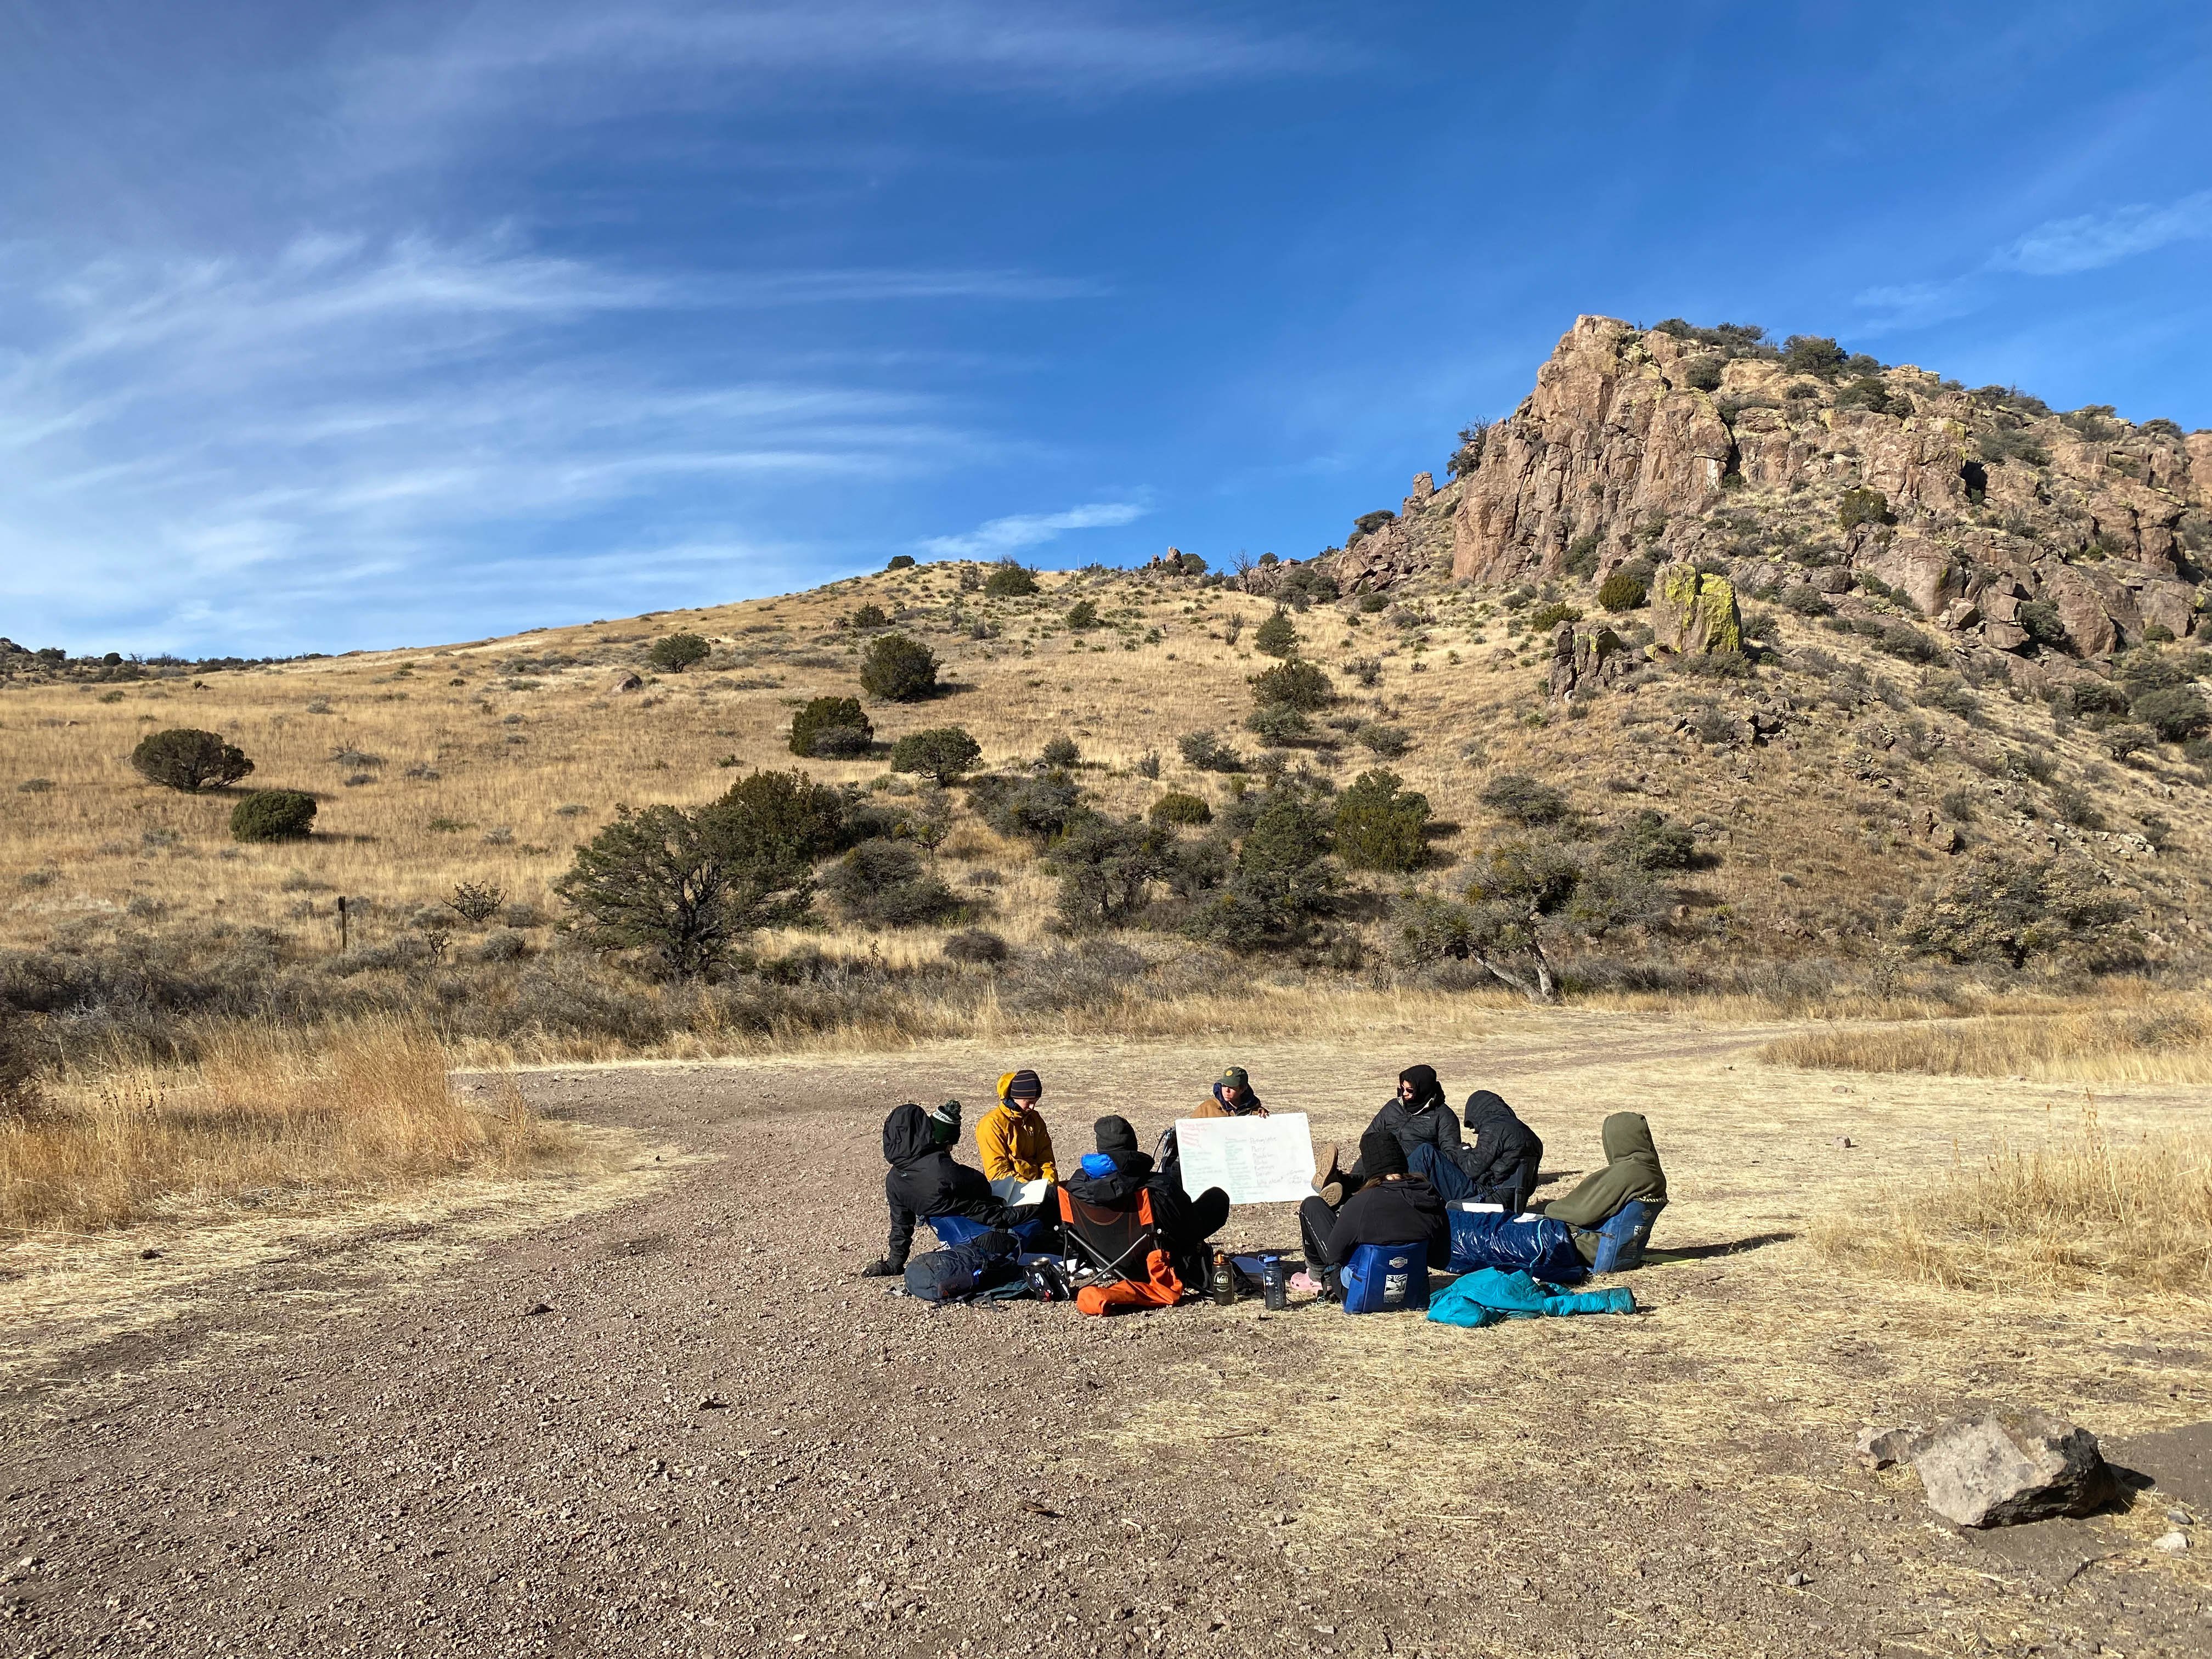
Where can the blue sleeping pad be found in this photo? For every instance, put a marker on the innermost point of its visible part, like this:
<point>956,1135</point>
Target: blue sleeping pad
<point>1536,1244</point>
<point>1383,1278</point>
<point>1036,1235</point>
<point>1621,1240</point>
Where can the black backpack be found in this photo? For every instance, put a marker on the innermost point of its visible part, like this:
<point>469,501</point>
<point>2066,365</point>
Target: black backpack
<point>965,1271</point>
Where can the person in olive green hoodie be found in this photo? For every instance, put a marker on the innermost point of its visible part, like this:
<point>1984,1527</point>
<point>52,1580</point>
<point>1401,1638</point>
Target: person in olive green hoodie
<point>1632,1171</point>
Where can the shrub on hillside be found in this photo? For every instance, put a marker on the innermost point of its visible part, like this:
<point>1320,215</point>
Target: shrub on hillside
<point>1386,740</point>
<point>1703,374</point>
<point>186,759</point>
<point>882,884</point>
<point>1652,841</point>
<point>898,669</point>
<point>1380,824</point>
<point>1282,881</point>
<point>831,726</point>
<point>1106,868</point>
<point>976,946</point>
<point>1009,581</point>
<point>1546,618</point>
<point>901,562</point>
<point>1623,590</point>
<point>2177,714</point>
<point>868,617</point>
<point>1036,808</point>
<point>1368,523</point>
<point>476,903</point>
<point>1811,354</point>
<point>1902,640</point>
<point>1863,506</point>
<point>1208,753</point>
<point>2040,621</point>
<point>1278,636</point>
<point>780,823</point>
<point>1368,671</point>
<point>1998,909</point>
<point>945,753</point>
<point>1060,753</point>
<point>1081,617</point>
<point>1468,456</point>
<point>1301,685</point>
<point>1179,806</point>
<point>273,815</point>
<point>674,652</point>
<point>1277,724</point>
<point>1523,799</point>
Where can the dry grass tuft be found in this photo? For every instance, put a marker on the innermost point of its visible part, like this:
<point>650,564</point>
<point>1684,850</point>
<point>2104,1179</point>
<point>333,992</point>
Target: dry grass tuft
<point>265,1114</point>
<point>2169,1043</point>
<point>2076,1213</point>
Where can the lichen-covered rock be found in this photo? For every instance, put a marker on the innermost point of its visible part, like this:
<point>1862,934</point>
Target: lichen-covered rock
<point>1694,613</point>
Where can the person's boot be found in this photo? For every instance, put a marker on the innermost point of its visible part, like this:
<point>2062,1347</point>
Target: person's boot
<point>1329,1179</point>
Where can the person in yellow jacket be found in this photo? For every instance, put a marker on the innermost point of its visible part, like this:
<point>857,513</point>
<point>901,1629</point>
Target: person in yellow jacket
<point>1015,1144</point>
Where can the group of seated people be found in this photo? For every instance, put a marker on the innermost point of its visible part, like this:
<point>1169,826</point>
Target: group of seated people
<point>1412,1162</point>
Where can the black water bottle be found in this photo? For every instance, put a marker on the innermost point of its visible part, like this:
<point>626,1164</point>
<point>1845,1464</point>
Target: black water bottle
<point>1276,1292</point>
<point>1223,1281</point>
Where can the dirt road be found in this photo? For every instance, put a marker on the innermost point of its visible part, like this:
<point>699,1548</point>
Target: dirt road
<point>712,1437</point>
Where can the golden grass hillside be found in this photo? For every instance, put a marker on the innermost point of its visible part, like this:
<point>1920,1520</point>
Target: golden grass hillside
<point>488,761</point>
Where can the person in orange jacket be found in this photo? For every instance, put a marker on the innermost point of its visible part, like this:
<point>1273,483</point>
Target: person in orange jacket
<point>1012,1137</point>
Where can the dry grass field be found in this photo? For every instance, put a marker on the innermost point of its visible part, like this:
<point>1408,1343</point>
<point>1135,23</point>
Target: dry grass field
<point>488,762</point>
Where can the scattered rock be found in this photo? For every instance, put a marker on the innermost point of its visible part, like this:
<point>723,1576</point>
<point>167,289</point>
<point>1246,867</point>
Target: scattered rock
<point>1590,659</point>
<point>1798,1580</point>
<point>1846,1140</point>
<point>713,1402</point>
<point>1879,1447</point>
<point>2172,1542</point>
<point>2011,1467</point>
<point>150,1255</point>
<point>536,1308</point>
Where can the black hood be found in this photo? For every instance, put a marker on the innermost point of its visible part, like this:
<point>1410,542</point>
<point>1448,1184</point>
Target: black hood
<point>1115,1135</point>
<point>1427,1091</point>
<point>1487,1112</point>
<point>907,1138</point>
<point>1132,1172</point>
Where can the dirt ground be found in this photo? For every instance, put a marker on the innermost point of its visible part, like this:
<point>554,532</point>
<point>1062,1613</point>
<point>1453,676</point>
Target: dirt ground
<point>675,1421</point>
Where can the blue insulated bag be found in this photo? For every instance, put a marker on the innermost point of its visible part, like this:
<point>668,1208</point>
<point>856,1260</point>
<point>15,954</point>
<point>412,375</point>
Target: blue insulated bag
<point>1536,1244</point>
<point>1383,1278</point>
<point>1037,1235</point>
<point>1621,1240</point>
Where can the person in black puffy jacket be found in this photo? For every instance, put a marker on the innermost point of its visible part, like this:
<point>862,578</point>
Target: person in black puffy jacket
<point>1390,1207</point>
<point>1502,1164</point>
<point>1418,1117</point>
<point>925,1179</point>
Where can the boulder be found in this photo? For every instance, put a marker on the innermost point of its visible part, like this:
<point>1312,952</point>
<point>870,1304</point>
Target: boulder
<point>1694,614</point>
<point>624,680</point>
<point>1590,659</point>
<point>2011,1467</point>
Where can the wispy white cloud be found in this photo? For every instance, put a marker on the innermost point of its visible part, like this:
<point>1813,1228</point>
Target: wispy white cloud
<point>2090,241</point>
<point>1000,538</point>
<point>2057,247</point>
<point>354,426</point>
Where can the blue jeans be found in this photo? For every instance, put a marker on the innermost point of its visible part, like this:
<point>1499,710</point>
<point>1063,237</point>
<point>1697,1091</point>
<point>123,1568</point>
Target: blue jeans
<point>1441,1171</point>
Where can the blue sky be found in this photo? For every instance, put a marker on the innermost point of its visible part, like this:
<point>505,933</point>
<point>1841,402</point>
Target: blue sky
<point>325,326</point>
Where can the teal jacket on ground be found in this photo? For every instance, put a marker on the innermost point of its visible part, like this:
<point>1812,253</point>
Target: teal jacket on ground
<point>1486,1296</point>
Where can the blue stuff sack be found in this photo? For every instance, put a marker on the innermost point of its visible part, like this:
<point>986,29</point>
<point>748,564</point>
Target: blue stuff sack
<point>1385,1278</point>
<point>1536,1244</point>
<point>974,1269</point>
<point>1621,1240</point>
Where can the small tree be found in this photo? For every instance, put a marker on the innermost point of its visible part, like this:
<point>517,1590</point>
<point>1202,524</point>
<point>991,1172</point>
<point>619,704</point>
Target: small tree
<point>1283,881</point>
<point>830,726</point>
<point>776,824</point>
<point>1206,751</point>
<point>273,815</point>
<point>898,669</point>
<point>1106,868</point>
<point>1009,581</point>
<point>1529,893</point>
<point>901,562</point>
<point>867,616</point>
<point>1811,354</point>
<point>1060,753</point>
<point>476,903</point>
<point>189,760</point>
<point>882,882</point>
<point>1278,724</point>
<point>1303,686</point>
<point>1652,841</point>
<point>945,753</point>
<point>1278,636</point>
<point>1863,506</point>
<point>684,886</point>
<point>1380,824</point>
<point>1469,455</point>
<point>674,652</point>
<point>1082,616</point>
<point>1996,910</point>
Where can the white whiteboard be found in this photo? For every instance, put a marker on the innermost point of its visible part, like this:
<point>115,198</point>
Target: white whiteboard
<point>1255,1160</point>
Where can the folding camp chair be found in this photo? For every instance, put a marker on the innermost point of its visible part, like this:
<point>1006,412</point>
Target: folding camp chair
<point>1112,1245</point>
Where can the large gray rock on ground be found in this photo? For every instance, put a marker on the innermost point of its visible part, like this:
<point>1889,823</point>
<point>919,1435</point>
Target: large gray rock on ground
<point>2011,1467</point>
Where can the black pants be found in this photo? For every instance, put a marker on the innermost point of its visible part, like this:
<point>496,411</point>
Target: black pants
<point>1207,1212</point>
<point>1315,1219</point>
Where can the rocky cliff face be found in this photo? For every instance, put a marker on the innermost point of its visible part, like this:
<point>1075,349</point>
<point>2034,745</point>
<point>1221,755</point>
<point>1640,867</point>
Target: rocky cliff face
<point>2044,537</point>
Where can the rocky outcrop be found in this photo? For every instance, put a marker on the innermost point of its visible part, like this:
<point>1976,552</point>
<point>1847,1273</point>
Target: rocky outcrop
<point>1694,613</point>
<point>1639,446</point>
<point>1590,659</point>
